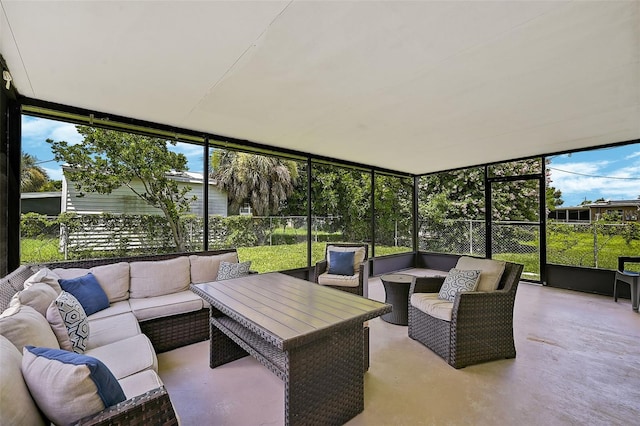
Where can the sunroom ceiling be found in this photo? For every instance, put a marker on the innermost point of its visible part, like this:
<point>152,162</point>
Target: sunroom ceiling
<point>413,86</point>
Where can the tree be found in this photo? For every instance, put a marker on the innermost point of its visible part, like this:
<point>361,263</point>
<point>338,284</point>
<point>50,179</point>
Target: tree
<point>263,181</point>
<point>107,160</point>
<point>32,176</point>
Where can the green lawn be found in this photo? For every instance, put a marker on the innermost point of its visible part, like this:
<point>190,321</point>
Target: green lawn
<point>566,249</point>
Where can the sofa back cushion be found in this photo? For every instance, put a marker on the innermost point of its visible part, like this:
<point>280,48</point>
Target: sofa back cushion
<point>45,276</point>
<point>16,405</point>
<point>38,295</point>
<point>159,277</point>
<point>491,271</point>
<point>69,273</point>
<point>204,269</point>
<point>114,280</point>
<point>23,325</point>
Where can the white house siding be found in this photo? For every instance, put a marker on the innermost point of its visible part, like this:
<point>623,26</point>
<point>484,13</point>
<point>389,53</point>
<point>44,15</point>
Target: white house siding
<point>124,201</point>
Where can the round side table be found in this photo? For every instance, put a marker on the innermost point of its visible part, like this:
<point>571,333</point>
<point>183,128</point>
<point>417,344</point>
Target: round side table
<point>396,288</point>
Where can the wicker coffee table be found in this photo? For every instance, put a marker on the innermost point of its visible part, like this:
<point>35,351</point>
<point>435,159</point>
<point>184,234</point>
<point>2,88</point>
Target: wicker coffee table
<point>396,288</point>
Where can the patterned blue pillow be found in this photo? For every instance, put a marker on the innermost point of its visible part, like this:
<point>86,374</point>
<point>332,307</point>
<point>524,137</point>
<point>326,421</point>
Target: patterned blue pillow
<point>69,323</point>
<point>228,270</point>
<point>458,280</point>
<point>88,292</point>
<point>68,386</point>
<point>341,262</point>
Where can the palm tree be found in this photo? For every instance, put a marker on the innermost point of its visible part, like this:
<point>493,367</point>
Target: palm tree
<point>263,181</point>
<point>32,176</point>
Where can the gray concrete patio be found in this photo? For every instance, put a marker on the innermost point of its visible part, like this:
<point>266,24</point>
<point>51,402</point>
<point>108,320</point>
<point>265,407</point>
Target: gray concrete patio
<point>578,363</point>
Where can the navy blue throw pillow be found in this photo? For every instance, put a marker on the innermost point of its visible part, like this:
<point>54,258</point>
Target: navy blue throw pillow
<point>88,292</point>
<point>341,262</point>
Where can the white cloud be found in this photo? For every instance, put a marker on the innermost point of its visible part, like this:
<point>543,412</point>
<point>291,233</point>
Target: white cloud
<point>634,155</point>
<point>54,174</point>
<point>35,131</point>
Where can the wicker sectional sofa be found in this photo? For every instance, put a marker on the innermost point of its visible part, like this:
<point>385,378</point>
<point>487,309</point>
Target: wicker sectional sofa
<point>150,309</point>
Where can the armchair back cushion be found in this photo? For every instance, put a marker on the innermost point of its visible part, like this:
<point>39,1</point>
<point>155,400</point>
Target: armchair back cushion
<point>359,254</point>
<point>491,271</point>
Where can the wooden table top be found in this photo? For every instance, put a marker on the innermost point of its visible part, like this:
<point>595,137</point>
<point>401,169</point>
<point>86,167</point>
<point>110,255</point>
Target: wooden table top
<point>287,311</point>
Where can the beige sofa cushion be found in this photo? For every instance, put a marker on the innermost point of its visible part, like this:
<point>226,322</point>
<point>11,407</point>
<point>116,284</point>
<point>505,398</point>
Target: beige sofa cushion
<point>205,268</point>
<point>358,255</point>
<point>338,280</point>
<point>114,280</point>
<point>430,304</point>
<point>164,306</point>
<point>114,309</point>
<point>491,271</point>
<point>46,276</point>
<point>16,405</point>
<point>128,356</point>
<point>103,331</point>
<point>38,295</point>
<point>160,277</point>
<point>140,383</point>
<point>23,325</point>
<point>70,273</point>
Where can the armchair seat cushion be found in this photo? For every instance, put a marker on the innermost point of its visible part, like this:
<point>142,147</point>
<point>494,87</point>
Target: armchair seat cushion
<point>431,304</point>
<point>339,280</point>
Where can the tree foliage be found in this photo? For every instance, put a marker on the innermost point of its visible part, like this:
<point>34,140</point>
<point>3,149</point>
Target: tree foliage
<point>33,178</point>
<point>263,181</point>
<point>107,160</point>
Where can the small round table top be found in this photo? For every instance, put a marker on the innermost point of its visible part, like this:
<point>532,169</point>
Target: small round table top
<point>397,278</point>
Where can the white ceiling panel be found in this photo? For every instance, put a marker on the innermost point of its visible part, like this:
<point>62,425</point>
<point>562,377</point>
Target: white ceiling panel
<point>413,86</point>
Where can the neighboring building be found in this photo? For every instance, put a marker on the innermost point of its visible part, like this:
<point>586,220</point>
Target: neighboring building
<point>625,210</point>
<point>124,201</point>
<point>46,203</point>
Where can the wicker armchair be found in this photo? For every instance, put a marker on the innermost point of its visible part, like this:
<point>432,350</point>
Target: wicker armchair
<point>363,271</point>
<point>481,326</point>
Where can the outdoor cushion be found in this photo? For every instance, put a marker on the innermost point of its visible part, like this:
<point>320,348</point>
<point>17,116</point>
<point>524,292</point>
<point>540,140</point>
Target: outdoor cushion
<point>164,306</point>
<point>205,268</point>
<point>111,329</point>
<point>160,277</point>
<point>23,325</point>
<point>16,405</point>
<point>46,276</point>
<point>491,271</point>
<point>431,304</point>
<point>114,280</point>
<point>38,295</point>
<point>458,280</point>
<point>341,263</point>
<point>227,270</point>
<point>116,308</point>
<point>139,383</point>
<point>69,273</point>
<point>358,257</point>
<point>339,280</point>
<point>127,356</point>
<point>68,386</point>
<point>88,292</point>
<point>69,322</point>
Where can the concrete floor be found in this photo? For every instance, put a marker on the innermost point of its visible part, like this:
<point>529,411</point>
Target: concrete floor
<point>578,363</point>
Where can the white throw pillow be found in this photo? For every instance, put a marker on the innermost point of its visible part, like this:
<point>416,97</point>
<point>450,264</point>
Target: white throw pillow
<point>69,323</point>
<point>46,276</point>
<point>23,325</point>
<point>456,281</point>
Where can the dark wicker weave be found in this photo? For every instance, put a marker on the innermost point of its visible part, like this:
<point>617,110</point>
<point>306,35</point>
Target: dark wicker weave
<point>322,367</point>
<point>321,268</point>
<point>13,283</point>
<point>151,408</point>
<point>165,333</point>
<point>481,327</point>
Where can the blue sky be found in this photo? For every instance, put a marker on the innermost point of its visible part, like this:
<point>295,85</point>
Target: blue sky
<point>610,173</point>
